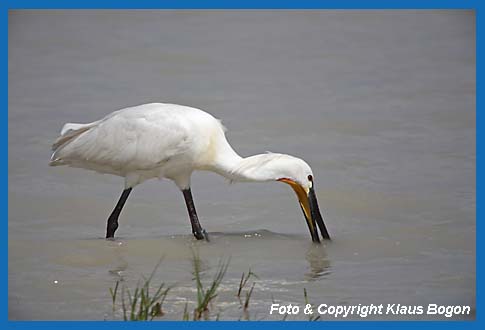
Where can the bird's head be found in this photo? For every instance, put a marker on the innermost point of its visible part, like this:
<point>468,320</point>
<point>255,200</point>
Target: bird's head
<point>296,173</point>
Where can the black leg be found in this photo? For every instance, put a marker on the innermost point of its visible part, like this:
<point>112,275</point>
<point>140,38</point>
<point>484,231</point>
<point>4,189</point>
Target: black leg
<point>197,230</point>
<point>113,218</point>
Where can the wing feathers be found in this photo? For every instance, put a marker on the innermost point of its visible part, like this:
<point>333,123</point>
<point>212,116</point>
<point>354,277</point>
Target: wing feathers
<point>123,141</point>
<point>70,131</point>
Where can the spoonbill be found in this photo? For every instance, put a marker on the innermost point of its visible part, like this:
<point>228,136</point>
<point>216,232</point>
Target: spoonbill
<point>159,140</point>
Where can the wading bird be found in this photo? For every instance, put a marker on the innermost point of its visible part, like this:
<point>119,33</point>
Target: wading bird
<point>170,141</point>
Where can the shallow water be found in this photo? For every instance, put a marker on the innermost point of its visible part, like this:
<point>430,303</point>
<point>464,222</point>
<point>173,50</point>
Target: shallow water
<point>381,104</point>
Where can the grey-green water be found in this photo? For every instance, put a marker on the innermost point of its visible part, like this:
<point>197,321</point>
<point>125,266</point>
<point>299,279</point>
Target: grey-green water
<point>381,104</point>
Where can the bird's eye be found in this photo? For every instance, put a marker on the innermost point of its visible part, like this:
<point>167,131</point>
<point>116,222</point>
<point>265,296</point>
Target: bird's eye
<point>310,178</point>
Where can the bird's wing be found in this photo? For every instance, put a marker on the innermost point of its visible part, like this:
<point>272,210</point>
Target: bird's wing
<point>70,131</point>
<point>128,141</point>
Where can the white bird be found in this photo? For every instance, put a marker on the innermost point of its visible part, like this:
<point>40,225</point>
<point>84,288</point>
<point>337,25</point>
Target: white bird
<point>170,141</point>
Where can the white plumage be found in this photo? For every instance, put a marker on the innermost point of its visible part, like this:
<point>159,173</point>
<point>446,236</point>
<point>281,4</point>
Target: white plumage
<point>159,140</point>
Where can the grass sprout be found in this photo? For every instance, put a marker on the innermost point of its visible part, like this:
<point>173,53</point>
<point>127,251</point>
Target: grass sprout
<point>141,305</point>
<point>145,302</point>
<point>206,296</point>
<point>244,280</point>
<point>113,293</point>
<point>307,301</point>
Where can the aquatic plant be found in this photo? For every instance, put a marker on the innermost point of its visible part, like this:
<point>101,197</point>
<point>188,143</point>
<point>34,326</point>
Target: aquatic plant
<point>206,296</point>
<point>244,280</point>
<point>242,284</point>
<point>141,305</point>
<point>311,317</point>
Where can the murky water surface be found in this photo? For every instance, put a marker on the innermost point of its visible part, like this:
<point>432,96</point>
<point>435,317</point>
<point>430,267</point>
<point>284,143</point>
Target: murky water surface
<point>381,104</point>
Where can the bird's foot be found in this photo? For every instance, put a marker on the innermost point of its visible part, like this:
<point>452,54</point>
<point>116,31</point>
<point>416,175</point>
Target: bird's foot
<point>201,234</point>
<point>206,235</point>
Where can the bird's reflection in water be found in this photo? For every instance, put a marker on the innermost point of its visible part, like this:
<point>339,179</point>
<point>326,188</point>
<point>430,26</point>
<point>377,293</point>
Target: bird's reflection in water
<point>318,262</point>
<point>120,264</point>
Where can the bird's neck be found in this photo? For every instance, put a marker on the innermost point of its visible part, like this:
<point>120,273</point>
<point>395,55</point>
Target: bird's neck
<point>232,166</point>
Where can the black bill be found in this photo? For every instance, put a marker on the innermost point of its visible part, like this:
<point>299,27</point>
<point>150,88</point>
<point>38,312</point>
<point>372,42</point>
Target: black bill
<point>309,206</point>
<point>315,214</point>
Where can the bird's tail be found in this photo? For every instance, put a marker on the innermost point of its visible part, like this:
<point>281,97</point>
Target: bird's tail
<point>68,133</point>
